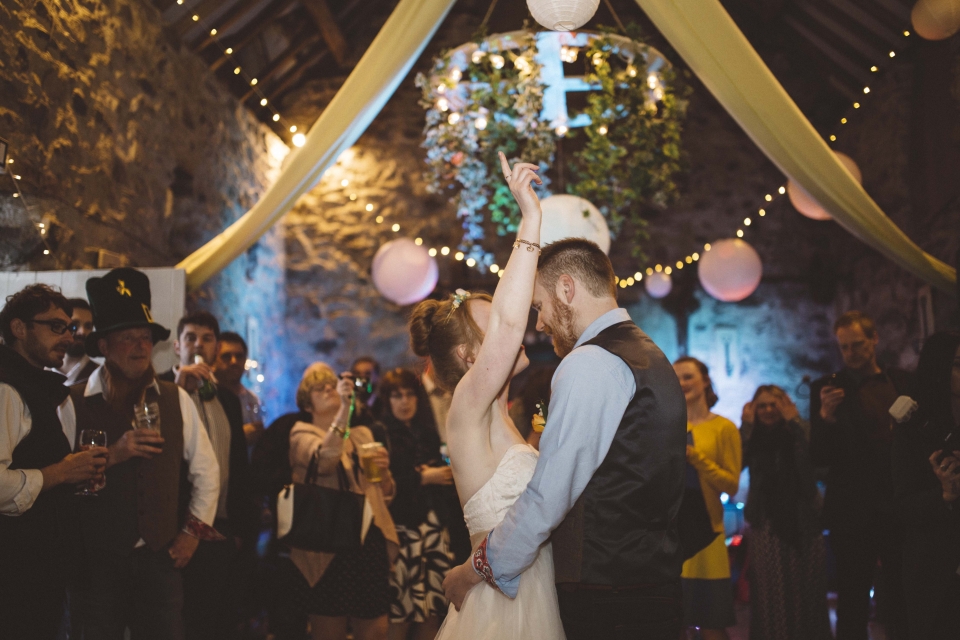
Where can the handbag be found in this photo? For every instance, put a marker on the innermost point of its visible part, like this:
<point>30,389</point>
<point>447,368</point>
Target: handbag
<point>693,520</point>
<point>315,518</point>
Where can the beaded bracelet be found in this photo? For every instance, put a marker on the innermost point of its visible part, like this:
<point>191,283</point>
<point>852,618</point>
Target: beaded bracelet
<point>530,245</point>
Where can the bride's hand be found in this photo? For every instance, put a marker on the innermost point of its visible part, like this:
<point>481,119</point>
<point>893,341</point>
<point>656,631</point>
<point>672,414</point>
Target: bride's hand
<point>458,582</point>
<point>520,180</point>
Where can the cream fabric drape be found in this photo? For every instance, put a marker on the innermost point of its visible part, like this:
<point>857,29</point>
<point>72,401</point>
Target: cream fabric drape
<point>365,92</point>
<point>709,41</point>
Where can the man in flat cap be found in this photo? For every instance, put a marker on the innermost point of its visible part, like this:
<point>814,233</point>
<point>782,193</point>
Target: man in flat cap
<point>161,488</point>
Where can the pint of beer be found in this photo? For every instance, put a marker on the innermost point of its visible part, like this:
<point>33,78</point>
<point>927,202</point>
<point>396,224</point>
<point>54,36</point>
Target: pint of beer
<point>368,453</point>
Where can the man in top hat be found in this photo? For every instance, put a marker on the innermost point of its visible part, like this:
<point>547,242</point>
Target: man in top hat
<point>37,470</point>
<point>161,488</point>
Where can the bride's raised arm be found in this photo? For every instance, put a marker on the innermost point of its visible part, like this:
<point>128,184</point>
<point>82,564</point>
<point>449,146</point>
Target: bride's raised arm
<point>511,301</point>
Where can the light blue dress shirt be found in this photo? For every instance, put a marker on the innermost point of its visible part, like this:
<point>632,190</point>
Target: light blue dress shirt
<point>589,394</point>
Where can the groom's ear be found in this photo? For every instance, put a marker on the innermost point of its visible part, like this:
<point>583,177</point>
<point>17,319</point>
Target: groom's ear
<point>566,288</point>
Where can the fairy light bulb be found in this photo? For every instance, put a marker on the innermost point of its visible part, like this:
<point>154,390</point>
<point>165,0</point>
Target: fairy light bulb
<point>497,61</point>
<point>471,262</point>
<point>480,123</point>
<point>443,104</point>
<point>276,117</point>
<point>299,140</point>
<point>263,102</point>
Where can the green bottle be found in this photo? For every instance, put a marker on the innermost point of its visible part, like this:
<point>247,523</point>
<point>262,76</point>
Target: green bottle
<point>207,390</point>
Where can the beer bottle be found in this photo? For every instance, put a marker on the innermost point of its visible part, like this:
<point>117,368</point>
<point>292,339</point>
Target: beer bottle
<point>206,391</point>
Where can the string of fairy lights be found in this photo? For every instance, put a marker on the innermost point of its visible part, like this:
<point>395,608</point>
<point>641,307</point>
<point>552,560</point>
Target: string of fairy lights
<point>298,139</point>
<point>667,268</point>
<point>748,222</point>
<point>43,229</point>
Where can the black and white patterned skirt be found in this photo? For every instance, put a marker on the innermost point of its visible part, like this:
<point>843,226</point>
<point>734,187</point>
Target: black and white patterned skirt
<point>416,584</point>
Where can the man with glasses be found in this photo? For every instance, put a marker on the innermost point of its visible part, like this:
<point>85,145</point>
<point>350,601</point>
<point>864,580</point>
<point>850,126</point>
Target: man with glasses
<point>37,468</point>
<point>230,367</point>
<point>77,365</point>
<point>851,436</point>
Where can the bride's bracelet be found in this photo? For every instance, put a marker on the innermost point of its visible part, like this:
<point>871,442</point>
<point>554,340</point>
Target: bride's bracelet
<point>481,566</point>
<point>531,246</point>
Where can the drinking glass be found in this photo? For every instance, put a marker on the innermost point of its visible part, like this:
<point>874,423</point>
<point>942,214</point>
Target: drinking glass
<point>368,452</point>
<point>90,438</point>
<point>147,415</point>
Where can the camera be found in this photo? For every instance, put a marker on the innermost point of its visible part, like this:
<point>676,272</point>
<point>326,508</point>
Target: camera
<point>363,388</point>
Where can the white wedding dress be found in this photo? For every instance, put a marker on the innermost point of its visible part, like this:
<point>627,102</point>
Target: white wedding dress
<point>486,613</point>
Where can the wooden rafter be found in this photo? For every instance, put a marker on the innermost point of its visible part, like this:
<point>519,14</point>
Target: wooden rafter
<point>248,33</point>
<point>241,13</point>
<point>186,22</point>
<point>831,52</point>
<point>305,41</point>
<point>868,51</point>
<point>319,10</point>
<point>290,78</point>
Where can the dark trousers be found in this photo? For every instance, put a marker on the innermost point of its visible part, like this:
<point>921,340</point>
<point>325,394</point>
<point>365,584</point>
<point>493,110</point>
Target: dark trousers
<point>857,550</point>
<point>141,590</point>
<point>213,587</point>
<point>595,612</point>
<point>31,594</point>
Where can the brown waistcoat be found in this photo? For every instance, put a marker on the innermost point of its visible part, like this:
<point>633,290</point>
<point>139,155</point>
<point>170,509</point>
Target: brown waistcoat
<point>141,499</point>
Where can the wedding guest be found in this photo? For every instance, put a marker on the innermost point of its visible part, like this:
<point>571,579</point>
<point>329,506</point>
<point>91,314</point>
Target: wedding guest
<point>77,365</point>
<point>37,468</point>
<point>138,534</point>
<point>210,582</point>
<point>851,436</point>
<point>439,401</point>
<point>926,476</point>
<point>423,496</point>
<point>714,451</point>
<point>787,557</point>
<point>351,587</point>
<point>229,369</point>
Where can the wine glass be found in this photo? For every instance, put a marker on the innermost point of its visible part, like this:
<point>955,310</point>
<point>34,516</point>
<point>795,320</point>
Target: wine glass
<point>90,438</point>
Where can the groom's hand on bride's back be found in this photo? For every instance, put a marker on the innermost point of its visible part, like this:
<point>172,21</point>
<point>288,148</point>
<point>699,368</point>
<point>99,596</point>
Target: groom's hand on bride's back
<point>458,582</point>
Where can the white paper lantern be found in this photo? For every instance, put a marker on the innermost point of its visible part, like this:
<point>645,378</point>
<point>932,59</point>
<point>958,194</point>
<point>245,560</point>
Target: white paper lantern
<point>566,216</point>
<point>806,204</point>
<point>936,19</point>
<point>658,284</point>
<point>731,270</point>
<point>404,272</point>
<point>562,15</point>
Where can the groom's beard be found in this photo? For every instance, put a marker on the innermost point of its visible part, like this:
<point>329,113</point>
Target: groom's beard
<point>76,349</point>
<point>563,330</point>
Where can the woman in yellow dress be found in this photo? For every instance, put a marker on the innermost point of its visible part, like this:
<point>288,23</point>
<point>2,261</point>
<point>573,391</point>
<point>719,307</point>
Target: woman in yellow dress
<point>714,454</point>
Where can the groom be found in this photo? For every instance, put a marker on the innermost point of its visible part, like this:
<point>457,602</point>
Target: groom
<point>610,476</point>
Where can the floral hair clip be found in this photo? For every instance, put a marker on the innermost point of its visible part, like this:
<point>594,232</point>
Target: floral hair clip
<point>459,297</point>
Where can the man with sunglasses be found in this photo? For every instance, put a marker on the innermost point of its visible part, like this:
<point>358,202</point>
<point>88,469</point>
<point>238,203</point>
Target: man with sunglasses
<point>77,365</point>
<point>37,468</point>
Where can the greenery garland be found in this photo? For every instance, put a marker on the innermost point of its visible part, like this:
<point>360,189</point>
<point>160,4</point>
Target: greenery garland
<point>490,99</point>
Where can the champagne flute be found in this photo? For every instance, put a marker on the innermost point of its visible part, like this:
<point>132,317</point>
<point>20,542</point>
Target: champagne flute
<point>90,438</point>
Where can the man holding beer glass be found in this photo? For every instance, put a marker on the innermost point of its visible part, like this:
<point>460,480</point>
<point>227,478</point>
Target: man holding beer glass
<point>353,585</point>
<point>136,534</point>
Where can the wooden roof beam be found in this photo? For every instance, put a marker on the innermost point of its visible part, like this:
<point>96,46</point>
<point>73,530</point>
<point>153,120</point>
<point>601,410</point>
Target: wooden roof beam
<point>247,34</point>
<point>319,10</point>
<point>290,78</point>
<point>241,13</point>
<point>829,51</point>
<point>267,73</point>
<point>875,26</point>
<point>868,51</point>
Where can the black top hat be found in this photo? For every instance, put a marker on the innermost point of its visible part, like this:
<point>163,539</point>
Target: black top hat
<point>120,300</point>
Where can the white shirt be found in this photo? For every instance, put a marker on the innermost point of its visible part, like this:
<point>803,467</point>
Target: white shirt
<point>203,472</point>
<point>19,488</point>
<point>75,371</point>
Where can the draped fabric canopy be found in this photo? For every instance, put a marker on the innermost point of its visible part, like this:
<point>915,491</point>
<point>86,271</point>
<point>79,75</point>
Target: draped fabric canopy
<point>703,34</point>
<point>717,51</point>
<point>378,74</point>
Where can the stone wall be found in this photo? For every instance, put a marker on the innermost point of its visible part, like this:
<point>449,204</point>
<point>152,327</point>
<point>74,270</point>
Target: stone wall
<point>126,142</point>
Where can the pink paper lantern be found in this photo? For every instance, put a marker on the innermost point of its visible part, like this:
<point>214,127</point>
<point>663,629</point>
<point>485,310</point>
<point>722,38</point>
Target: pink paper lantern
<point>806,204</point>
<point>731,270</point>
<point>404,272</point>
<point>658,284</point>
<point>936,19</point>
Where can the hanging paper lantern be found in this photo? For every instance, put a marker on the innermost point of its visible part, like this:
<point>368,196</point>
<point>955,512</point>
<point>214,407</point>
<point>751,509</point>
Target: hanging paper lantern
<point>936,19</point>
<point>806,204</point>
<point>658,284</point>
<point>404,272</point>
<point>731,270</point>
<point>566,216</point>
<point>562,15</point>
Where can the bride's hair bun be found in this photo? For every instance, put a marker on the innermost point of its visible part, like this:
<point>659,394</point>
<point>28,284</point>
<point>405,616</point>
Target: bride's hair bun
<point>437,328</point>
<point>421,325</point>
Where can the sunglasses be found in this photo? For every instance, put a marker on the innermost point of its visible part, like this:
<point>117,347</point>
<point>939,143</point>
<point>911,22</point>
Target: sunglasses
<point>58,327</point>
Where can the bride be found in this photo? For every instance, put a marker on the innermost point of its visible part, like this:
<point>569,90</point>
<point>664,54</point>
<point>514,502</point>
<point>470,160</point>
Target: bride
<point>475,344</point>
